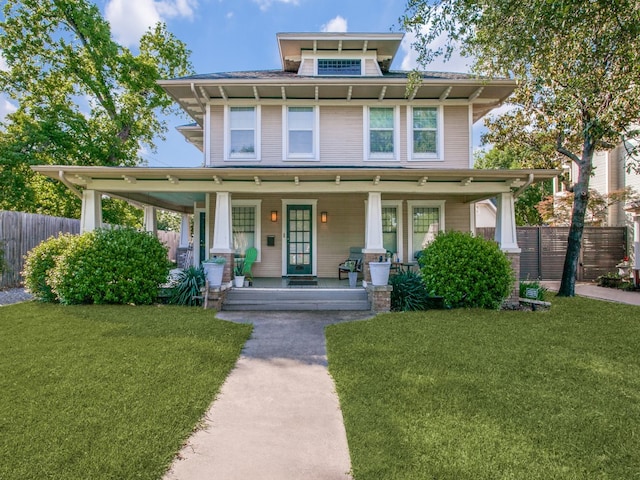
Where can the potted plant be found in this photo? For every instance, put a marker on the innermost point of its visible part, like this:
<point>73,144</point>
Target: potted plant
<point>214,268</point>
<point>238,272</point>
<point>353,274</point>
<point>380,271</point>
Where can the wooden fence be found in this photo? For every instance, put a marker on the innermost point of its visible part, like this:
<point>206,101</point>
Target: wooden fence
<point>544,249</point>
<point>20,232</point>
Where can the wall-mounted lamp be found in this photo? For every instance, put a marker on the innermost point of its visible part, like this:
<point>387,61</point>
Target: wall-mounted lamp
<point>274,215</point>
<point>323,217</point>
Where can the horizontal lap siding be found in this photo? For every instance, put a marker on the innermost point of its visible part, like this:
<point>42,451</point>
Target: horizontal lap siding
<point>456,138</point>
<point>272,134</point>
<point>216,126</point>
<point>341,135</point>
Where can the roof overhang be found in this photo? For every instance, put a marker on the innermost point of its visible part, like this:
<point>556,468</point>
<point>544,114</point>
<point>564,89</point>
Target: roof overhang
<point>178,189</point>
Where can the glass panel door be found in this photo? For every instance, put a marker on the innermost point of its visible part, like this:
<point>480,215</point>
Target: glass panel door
<point>299,245</point>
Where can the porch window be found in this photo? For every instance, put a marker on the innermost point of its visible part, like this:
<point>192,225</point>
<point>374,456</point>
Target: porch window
<point>245,221</point>
<point>425,137</point>
<point>382,128</point>
<point>392,226</point>
<point>426,220</point>
<point>301,133</point>
<point>242,136</point>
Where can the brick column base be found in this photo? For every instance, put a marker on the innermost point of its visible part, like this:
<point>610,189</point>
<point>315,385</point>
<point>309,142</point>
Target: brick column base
<point>513,298</point>
<point>379,297</point>
<point>214,298</point>
<point>227,274</point>
<point>369,257</point>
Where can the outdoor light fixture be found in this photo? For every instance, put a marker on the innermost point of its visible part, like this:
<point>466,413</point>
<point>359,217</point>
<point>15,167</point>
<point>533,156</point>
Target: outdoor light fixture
<point>274,215</point>
<point>323,217</point>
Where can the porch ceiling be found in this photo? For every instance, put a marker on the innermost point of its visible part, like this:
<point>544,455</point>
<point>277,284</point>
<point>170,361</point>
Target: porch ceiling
<point>178,189</point>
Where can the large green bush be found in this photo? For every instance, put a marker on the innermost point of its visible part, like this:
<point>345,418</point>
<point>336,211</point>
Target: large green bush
<point>40,261</point>
<point>466,271</point>
<point>111,266</point>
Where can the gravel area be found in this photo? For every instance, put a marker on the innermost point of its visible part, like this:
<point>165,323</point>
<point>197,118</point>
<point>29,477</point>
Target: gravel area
<point>13,295</point>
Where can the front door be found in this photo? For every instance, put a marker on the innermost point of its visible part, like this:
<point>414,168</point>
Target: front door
<point>299,244</point>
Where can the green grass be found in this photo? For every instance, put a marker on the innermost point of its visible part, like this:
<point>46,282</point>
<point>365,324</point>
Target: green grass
<point>106,392</point>
<point>478,394</point>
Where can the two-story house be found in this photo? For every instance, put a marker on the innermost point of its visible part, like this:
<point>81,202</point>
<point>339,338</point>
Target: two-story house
<point>327,152</point>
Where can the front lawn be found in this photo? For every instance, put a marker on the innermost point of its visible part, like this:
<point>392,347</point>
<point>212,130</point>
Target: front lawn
<point>478,394</point>
<point>106,391</point>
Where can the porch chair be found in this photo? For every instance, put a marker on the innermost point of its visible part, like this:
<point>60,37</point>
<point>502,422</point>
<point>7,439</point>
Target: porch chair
<point>250,256</point>
<point>355,255</point>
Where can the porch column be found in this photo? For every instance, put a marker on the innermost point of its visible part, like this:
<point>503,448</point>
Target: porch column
<point>373,245</point>
<point>184,231</point>
<point>91,215</point>
<point>636,249</point>
<point>150,221</point>
<point>222,233</point>
<point>507,239</point>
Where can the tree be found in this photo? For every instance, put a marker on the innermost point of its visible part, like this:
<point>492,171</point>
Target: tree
<point>82,98</point>
<point>577,65</point>
<point>511,157</point>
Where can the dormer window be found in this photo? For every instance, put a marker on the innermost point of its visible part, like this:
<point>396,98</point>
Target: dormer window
<point>339,67</point>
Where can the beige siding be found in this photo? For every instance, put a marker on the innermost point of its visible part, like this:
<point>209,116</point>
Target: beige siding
<point>456,138</point>
<point>271,134</point>
<point>341,135</point>
<point>371,68</point>
<point>307,67</point>
<point>216,126</point>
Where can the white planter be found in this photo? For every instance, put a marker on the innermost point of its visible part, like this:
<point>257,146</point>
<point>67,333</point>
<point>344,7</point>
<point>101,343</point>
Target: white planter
<point>214,273</point>
<point>238,281</point>
<point>353,279</point>
<point>379,272</point>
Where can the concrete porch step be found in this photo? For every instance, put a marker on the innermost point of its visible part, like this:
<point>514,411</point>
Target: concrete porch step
<point>300,299</point>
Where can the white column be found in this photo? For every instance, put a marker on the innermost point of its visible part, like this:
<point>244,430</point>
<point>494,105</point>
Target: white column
<point>373,237</point>
<point>91,216</point>
<point>184,231</point>
<point>506,224</point>
<point>150,221</point>
<point>636,242</point>
<point>222,237</point>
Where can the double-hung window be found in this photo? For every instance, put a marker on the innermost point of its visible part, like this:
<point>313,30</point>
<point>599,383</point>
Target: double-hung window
<point>242,132</point>
<point>245,222</point>
<point>301,138</point>
<point>381,141</point>
<point>424,134</point>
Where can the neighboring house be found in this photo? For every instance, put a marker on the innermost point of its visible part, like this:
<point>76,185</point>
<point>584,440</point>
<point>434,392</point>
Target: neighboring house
<point>329,151</point>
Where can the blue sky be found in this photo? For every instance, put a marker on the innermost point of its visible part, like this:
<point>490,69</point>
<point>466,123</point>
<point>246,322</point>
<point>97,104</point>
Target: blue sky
<point>235,35</point>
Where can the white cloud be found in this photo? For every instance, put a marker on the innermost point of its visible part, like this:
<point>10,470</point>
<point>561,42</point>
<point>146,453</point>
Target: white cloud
<point>130,19</point>
<point>3,63</point>
<point>456,63</point>
<point>337,24</point>
<point>6,107</point>
<point>265,4</point>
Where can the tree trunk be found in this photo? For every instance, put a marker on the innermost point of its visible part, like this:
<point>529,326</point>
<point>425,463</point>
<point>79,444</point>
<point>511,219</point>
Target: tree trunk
<point>574,241</point>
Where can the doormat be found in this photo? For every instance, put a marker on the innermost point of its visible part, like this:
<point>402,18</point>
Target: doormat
<point>303,282</point>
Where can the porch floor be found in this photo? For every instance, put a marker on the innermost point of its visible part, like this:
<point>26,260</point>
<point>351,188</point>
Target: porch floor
<point>283,282</point>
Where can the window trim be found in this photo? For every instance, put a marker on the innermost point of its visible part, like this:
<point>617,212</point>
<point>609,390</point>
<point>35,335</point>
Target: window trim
<point>336,57</point>
<point>381,157</point>
<point>315,155</point>
<point>435,157</point>
<point>257,128</point>
<point>257,204</point>
<point>411,205</point>
<point>397,204</point>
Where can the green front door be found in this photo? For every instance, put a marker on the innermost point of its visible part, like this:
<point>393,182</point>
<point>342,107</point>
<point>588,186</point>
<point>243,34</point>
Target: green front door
<point>299,235</point>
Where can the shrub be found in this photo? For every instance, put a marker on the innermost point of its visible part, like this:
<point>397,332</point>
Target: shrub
<point>466,271</point>
<point>40,261</point>
<point>541,291</point>
<point>188,285</point>
<point>111,266</point>
<point>409,292</point>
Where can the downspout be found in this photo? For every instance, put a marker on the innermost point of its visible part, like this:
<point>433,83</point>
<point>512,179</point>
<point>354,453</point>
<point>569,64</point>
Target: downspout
<point>69,185</point>
<point>527,183</point>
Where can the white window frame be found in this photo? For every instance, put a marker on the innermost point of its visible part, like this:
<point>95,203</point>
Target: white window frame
<point>411,205</point>
<point>313,156</point>
<point>439,155</point>
<point>228,156</point>
<point>397,204</point>
<point>257,204</point>
<point>338,57</point>
<point>368,155</point>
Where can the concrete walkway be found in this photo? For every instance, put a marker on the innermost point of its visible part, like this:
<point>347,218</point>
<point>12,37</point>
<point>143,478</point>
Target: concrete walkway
<point>601,293</point>
<point>277,415</point>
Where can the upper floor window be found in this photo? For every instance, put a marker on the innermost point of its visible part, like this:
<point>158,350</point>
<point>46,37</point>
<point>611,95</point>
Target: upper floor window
<point>301,132</point>
<point>382,132</point>
<point>242,132</point>
<point>339,67</point>
<point>425,136</point>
